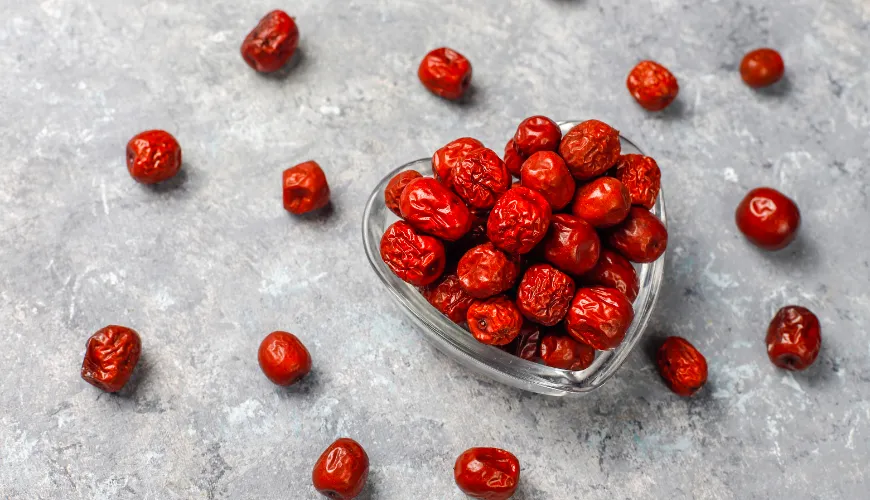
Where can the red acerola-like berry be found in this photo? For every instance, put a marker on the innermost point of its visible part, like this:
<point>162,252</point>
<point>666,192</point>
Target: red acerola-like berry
<point>590,149</point>
<point>599,317</point>
<point>519,220</point>
<point>544,294</point>
<point>614,271</point>
<point>513,160</point>
<point>272,43</point>
<point>768,218</point>
<point>446,73</point>
<point>393,192</point>
<point>537,133</point>
<point>794,338</point>
<point>762,67</point>
<point>283,358</point>
<point>417,259</point>
<point>447,157</point>
<point>448,296</point>
<point>494,321</point>
<point>604,202</point>
<point>641,175</point>
<point>640,238</point>
<point>305,188</point>
<point>546,173</point>
<point>485,271</point>
<point>153,156</point>
<point>432,208</point>
<point>111,355</point>
<point>571,244</point>
<point>480,178</point>
<point>652,85</point>
<point>682,367</point>
<point>342,470</point>
<point>487,473</point>
<point>564,352</point>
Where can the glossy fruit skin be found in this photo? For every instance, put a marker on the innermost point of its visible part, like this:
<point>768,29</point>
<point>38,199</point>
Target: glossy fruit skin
<point>474,237</point>
<point>546,173</point>
<point>431,208</point>
<point>513,160</point>
<point>448,296</point>
<point>415,258</point>
<point>683,368</point>
<point>394,189</point>
<point>640,238</point>
<point>305,188</point>
<point>446,73</point>
<point>272,43</point>
<point>494,321</point>
<point>537,133</point>
<point>571,244</point>
<point>762,67</point>
<point>794,338</point>
<point>283,358</point>
<point>590,149</point>
<point>544,294</point>
<point>487,473</point>
<point>641,176</point>
<point>342,470</point>
<point>485,271</point>
<point>652,85</point>
<point>769,219</point>
<point>599,317</point>
<point>480,178</point>
<point>111,354</point>
<point>519,220</point>
<point>603,202</point>
<point>564,352</point>
<point>528,342</point>
<point>614,271</point>
<point>153,156</point>
<point>447,157</point>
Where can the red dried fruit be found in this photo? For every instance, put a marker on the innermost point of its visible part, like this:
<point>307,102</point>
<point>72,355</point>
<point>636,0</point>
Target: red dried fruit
<point>474,237</point>
<point>604,202</point>
<point>527,343</point>
<point>272,43</point>
<point>682,366</point>
<point>446,73</point>
<point>393,192</point>
<point>642,177</point>
<point>446,158</point>
<point>537,133</point>
<point>640,238</point>
<point>564,352</point>
<point>153,156</point>
<point>571,244</point>
<point>614,271</point>
<point>513,160</point>
<point>283,358</point>
<point>415,258</point>
<point>305,188</point>
<point>794,338</point>
<point>546,173</point>
<point>494,321</point>
<point>434,209</point>
<point>111,355</point>
<point>448,296</point>
<point>485,271</point>
<point>762,67</point>
<point>342,470</point>
<point>768,218</point>
<point>590,149</point>
<point>599,317</point>
<point>519,220</point>
<point>480,178</point>
<point>487,473</point>
<point>545,294</point>
<point>652,85</point>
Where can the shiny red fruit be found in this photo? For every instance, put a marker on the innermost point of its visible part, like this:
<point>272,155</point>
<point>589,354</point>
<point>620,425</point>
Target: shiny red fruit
<point>519,220</point>
<point>153,156</point>
<point>446,73</point>
<point>564,352</point>
<point>480,178</point>
<point>537,133</point>
<point>394,189</point>
<point>415,258</point>
<point>794,338</point>
<point>571,244</point>
<point>544,294</point>
<point>762,67</point>
<point>640,238</point>
<point>641,176</point>
<point>546,173</point>
<point>272,43</point>
<point>341,471</point>
<point>485,271</point>
<point>614,271</point>
<point>682,367</point>
<point>447,157</point>
<point>487,473</point>
<point>283,358</point>
<point>111,356</point>
<point>604,202</point>
<point>768,218</point>
<point>652,85</point>
<point>495,321</point>
<point>432,208</point>
<point>599,317</point>
<point>305,188</point>
<point>590,149</point>
<point>448,296</point>
<point>513,160</point>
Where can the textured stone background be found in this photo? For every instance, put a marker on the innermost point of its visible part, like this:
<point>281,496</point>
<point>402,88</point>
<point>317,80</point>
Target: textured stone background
<point>207,266</point>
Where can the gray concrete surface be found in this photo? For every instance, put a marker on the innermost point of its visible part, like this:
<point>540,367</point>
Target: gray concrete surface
<point>205,267</point>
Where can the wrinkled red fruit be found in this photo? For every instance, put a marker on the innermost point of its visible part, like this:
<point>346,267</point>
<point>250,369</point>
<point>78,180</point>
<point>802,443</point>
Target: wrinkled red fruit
<point>546,173</point>
<point>519,220</point>
<point>682,366</point>
<point>768,218</point>
<point>641,176</point>
<point>111,355</point>
<point>393,192</point>
<point>272,43</point>
<point>494,321</point>
<point>545,294</point>
<point>564,352</point>
<point>640,238</point>
<point>513,160</point>
<point>480,178</point>
<point>571,244</point>
<point>487,473</point>
<point>652,85</point>
<point>762,67</point>
<point>604,202</point>
<point>153,156</point>
<point>446,73</point>
<point>614,271</point>
<point>527,344</point>
<point>599,317</point>
<point>448,296</point>
<point>342,470</point>
<point>434,209</point>
<point>305,188</point>
<point>485,271</point>
<point>590,149</point>
<point>537,133</point>
<point>794,338</point>
<point>416,259</point>
<point>446,158</point>
<point>283,358</point>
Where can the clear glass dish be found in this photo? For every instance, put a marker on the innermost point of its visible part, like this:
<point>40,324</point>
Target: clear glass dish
<point>486,360</point>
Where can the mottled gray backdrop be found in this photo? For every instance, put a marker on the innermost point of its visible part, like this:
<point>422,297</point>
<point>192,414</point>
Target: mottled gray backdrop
<point>205,267</point>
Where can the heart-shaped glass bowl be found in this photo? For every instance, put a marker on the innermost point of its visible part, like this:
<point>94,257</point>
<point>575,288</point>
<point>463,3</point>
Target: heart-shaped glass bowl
<point>457,343</point>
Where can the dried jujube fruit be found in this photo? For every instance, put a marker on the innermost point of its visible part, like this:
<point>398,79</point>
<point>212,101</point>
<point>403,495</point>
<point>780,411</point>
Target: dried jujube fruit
<point>544,294</point>
<point>768,218</point>
<point>794,338</point>
<point>590,149</point>
<point>652,85</point>
<point>614,271</point>
<point>537,133</point>
<point>546,173</point>
<point>153,156</point>
<point>571,244</point>
<point>283,358</point>
<point>415,258</point>
<point>341,471</point>
<point>683,368</point>
<point>394,189</point>
<point>485,271</point>
<point>640,238</point>
<point>562,351</point>
<point>271,43</point>
<point>487,473</point>
<point>305,188</point>
<point>599,317</point>
<point>446,73</point>
<point>603,202</point>
<point>450,155</point>
<point>480,178</point>
<point>513,160</point>
<point>494,321</point>
<point>433,209</point>
<point>519,220</point>
<point>448,296</point>
<point>641,176</point>
<point>111,355</point>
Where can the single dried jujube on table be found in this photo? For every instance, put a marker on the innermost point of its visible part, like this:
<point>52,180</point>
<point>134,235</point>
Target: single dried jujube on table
<point>762,67</point>
<point>341,471</point>
<point>446,73</point>
<point>305,188</point>
<point>487,473</point>
<point>271,43</point>
<point>153,156</point>
<point>682,367</point>
<point>283,358</point>
<point>652,85</point>
<point>768,218</point>
<point>794,338</point>
<point>111,356</point>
